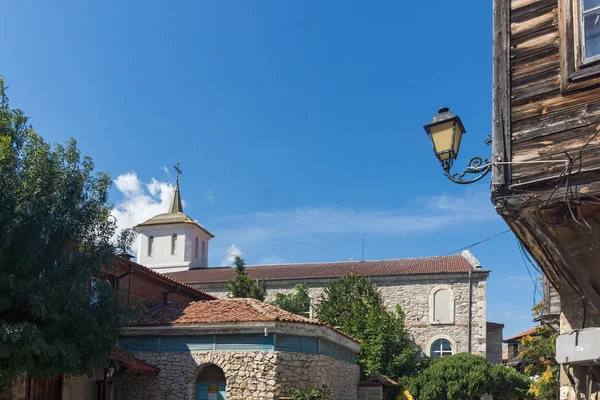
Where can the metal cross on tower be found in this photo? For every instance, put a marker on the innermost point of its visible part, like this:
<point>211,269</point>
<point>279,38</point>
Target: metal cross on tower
<point>177,172</point>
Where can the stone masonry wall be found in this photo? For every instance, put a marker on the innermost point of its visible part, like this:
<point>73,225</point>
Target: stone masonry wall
<point>494,345</point>
<point>252,375</point>
<point>370,392</point>
<point>412,293</point>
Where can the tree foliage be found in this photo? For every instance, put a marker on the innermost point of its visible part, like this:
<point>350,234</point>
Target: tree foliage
<point>354,305</point>
<point>538,355</point>
<point>124,241</point>
<point>242,286</point>
<point>297,302</point>
<point>467,377</point>
<point>55,235</point>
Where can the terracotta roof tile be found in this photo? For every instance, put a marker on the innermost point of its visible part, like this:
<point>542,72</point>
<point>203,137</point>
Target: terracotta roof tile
<point>214,312</point>
<point>531,331</point>
<point>401,266</point>
<point>132,364</point>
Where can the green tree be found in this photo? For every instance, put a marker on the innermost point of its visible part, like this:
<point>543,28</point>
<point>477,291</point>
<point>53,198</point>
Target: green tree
<point>538,355</point>
<point>124,242</point>
<point>297,302</point>
<point>354,305</point>
<point>242,286</point>
<point>55,237</point>
<point>467,377</point>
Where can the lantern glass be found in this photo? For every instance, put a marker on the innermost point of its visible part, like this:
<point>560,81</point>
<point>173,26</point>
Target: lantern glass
<point>445,132</point>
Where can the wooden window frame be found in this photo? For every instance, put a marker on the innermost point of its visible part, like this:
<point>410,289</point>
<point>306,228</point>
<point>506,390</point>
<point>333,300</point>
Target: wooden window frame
<point>576,73</point>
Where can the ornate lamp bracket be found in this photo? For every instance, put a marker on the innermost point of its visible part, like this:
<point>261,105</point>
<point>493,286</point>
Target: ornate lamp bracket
<point>476,165</point>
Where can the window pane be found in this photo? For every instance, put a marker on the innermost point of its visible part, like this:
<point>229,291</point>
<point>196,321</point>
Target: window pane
<point>446,346</point>
<point>592,34</point>
<point>589,4</point>
<point>440,348</point>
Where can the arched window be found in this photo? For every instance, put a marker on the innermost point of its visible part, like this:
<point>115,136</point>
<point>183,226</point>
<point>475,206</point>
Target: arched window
<point>440,348</point>
<point>203,251</point>
<point>441,305</point>
<point>174,244</point>
<point>196,248</point>
<point>150,245</point>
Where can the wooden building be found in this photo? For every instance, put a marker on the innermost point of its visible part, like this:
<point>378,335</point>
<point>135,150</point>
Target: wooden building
<point>546,144</point>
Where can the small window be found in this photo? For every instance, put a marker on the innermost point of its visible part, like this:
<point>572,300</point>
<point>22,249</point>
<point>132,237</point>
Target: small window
<point>196,248</point>
<point>440,348</point>
<point>590,29</point>
<point>579,29</point>
<point>150,245</point>
<point>203,251</point>
<point>173,244</point>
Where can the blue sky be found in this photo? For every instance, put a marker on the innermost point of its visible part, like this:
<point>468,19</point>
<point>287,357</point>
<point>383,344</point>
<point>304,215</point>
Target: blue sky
<point>298,125</point>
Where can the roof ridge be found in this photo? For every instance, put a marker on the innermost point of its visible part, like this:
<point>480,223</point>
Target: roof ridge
<point>347,261</point>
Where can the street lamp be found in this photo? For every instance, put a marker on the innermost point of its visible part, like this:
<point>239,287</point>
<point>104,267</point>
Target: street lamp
<point>445,132</point>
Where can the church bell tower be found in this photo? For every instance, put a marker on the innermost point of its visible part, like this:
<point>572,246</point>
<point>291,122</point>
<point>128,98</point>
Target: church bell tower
<point>172,241</point>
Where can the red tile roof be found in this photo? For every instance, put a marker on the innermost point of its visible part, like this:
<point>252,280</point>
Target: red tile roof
<point>215,312</point>
<point>401,266</point>
<point>132,364</point>
<point>531,331</point>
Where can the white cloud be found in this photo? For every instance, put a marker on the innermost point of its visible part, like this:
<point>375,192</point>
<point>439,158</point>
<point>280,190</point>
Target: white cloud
<point>128,184</point>
<point>166,170</point>
<point>230,254</point>
<point>425,215</point>
<point>140,202</point>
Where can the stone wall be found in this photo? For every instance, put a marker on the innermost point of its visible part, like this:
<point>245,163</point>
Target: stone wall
<point>252,375</point>
<point>305,370</point>
<point>412,293</point>
<point>494,344</point>
<point>370,392</point>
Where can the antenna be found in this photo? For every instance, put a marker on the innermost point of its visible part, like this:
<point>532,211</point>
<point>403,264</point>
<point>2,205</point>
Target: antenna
<point>363,249</point>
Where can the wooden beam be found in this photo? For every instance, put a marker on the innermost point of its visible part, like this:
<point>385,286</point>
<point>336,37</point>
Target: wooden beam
<point>501,93</point>
<point>564,262</point>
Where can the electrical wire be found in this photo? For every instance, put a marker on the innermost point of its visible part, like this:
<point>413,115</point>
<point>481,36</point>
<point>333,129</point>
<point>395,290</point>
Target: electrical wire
<point>533,280</point>
<point>476,243</point>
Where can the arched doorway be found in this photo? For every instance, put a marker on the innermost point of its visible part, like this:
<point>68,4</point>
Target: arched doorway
<point>211,383</point>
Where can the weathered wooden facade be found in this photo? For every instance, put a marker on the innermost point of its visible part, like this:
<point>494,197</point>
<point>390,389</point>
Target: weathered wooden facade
<point>546,145</point>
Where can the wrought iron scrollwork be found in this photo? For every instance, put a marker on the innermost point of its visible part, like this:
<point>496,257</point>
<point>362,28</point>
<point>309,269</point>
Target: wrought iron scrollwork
<point>476,165</point>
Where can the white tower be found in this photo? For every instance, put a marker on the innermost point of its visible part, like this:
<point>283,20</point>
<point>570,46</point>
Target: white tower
<point>173,241</point>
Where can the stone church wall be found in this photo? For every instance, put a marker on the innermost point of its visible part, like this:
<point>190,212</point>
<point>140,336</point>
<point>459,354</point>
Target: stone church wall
<point>252,375</point>
<point>414,294</point>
